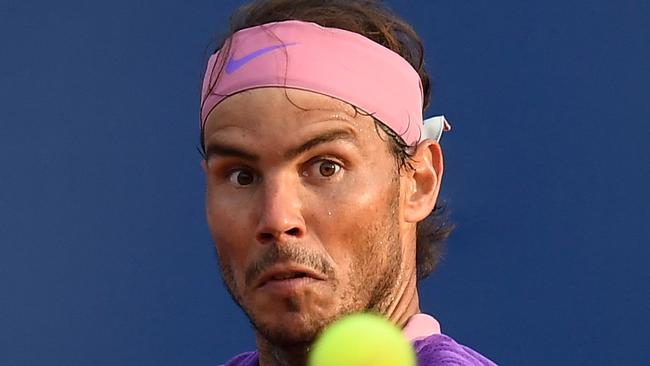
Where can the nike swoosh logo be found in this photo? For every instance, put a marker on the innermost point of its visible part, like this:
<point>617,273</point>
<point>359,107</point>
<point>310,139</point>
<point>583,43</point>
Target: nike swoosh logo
<point>234,64</point>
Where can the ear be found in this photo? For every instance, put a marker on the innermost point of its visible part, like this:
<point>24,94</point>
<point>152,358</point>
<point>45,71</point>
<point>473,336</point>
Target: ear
<point>422,183</point>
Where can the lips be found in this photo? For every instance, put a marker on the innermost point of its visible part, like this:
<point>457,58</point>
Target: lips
<point>287,272</point>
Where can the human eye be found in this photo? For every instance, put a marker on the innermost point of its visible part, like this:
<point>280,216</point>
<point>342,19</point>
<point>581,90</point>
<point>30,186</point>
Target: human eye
<point>324,168</point>
<point>241,177</point>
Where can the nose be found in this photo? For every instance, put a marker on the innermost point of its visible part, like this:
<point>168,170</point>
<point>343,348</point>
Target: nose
<point>280,213</point>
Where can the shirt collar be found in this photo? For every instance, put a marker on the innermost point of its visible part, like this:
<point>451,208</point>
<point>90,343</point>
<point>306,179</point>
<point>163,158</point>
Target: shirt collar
<point>420,326</point>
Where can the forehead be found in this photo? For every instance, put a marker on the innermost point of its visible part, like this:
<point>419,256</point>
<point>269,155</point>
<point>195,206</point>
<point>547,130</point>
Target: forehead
<point>285,113</point>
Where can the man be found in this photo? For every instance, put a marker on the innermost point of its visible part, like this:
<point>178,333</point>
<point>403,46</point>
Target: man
<point>321,178</point>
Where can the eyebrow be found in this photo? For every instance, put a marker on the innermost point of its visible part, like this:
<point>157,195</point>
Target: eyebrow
<point>326,137</point>
<point>214,149</point>
<point>224,150</point>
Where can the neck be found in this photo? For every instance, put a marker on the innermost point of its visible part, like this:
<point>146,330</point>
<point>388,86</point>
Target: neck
<point>406,304</point>
<point>405,300</point>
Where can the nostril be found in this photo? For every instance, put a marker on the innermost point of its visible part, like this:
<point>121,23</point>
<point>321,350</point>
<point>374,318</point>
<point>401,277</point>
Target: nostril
<point>269,236</point>
<point>293,232</point>
<point>265,237</point>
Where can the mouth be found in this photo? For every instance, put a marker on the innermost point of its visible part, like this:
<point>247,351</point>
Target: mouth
<point>287,277</point>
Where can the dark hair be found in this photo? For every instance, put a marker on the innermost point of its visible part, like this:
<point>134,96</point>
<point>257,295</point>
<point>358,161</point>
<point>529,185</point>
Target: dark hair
<point>372,19</point>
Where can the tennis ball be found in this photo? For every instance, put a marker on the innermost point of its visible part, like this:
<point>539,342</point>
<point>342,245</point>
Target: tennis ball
<point>362,340</point>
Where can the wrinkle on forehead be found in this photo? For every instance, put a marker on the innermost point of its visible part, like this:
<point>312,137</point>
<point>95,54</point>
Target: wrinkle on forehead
<point>302,104</point>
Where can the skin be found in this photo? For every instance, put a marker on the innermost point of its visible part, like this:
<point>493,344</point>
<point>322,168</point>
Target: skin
<point>338,207</point>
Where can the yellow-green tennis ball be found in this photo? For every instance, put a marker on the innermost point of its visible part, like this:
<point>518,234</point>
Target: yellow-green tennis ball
<point>362,340</point>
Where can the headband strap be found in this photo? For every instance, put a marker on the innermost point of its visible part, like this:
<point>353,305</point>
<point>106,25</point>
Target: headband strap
<point>330,61</point>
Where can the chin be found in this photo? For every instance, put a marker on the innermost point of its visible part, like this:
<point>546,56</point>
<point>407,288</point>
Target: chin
<point>291,319</point>
<point>289,328</point>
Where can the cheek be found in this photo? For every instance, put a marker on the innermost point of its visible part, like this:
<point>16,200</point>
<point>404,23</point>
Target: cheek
<point>230,233</point>
<point>346,216</point>
<point>359,194</point>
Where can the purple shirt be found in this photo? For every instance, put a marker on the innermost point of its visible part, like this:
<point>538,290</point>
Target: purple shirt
<point>431,347</point>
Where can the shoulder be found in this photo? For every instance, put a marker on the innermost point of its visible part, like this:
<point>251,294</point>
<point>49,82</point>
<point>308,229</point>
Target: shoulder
<point>243,359</point>
<point>439,350</point>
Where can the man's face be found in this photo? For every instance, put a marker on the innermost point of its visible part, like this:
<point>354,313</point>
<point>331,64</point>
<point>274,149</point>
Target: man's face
<point>303,205</point>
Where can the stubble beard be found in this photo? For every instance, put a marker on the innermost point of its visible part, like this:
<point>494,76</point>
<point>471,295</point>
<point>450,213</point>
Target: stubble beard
<point>374,276</point>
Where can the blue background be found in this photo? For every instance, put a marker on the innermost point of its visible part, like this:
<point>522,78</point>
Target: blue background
<point>105,257</point>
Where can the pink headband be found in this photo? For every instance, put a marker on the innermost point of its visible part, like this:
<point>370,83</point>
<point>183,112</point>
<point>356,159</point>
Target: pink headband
<point>330,61</point>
